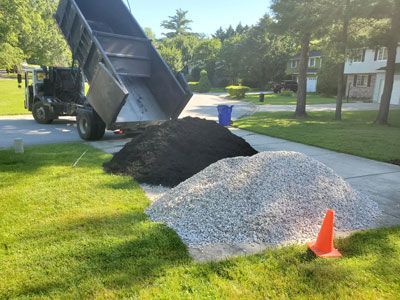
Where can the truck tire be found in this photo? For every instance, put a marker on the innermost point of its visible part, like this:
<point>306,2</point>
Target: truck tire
<point>90,126</point>
<point>41,113</point>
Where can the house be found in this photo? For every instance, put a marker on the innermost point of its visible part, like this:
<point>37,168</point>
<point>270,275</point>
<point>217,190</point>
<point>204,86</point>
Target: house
<point>314,64</point>
<point>365,72</point>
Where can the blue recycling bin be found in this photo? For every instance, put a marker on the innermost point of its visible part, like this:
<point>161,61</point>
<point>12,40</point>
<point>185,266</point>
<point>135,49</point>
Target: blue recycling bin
<point>224,115</point>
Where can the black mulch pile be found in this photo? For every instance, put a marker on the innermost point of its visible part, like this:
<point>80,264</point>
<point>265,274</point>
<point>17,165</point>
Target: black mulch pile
<point>170,153</point>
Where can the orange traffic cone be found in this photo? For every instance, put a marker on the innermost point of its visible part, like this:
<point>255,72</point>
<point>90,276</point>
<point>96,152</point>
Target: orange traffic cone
<point>323,247</point>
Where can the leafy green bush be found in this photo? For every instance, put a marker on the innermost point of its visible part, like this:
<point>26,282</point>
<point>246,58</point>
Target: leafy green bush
<point>194,86</point>
<point>195,74</point>
<point>204,83</point>
<point>237,91</point>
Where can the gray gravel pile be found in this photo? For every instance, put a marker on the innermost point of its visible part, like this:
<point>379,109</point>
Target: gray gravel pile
<point>270,198</point>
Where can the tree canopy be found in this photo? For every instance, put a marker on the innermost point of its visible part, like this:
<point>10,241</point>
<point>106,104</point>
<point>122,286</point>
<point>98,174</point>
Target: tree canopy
<point>28,32</point>
<point>177,24</point>
<point>252,55</point>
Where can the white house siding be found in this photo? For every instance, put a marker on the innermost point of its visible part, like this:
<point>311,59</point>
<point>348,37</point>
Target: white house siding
<point>369,65</point>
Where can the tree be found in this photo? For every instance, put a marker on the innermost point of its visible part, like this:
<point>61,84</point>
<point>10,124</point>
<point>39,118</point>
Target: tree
<point>205,56</point>
<point>185,44</point>
<point>223,35</point>
<point>302,20</point>
<point>230,61</point>
<point>391,9</point>
<point>177,24</point>
<point>342,48</point>
<point>230,32</point>
<point>349,25</point>
<point>240,29</point>
<point>255,57</point>
<point>172,56</point>
<point>326,85</point>
<point>11,13</point>
<point>29,26</point>
<point>264,54</point>
<point>204,83</point>
<point>150,34</point>
<point>220,34</point>
<point>10,56</point>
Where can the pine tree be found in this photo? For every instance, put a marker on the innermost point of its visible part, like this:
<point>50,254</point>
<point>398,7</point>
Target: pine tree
<point>301,19</point>
<point>177,24</point>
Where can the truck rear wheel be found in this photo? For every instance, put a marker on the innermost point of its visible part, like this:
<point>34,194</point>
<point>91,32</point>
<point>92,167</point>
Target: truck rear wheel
<point>90,126</point>
<point>41,113</point>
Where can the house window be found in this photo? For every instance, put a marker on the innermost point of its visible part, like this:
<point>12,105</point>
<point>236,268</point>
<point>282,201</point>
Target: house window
<point>382,54</point>
<point>362,80</point>
<point>294,64</point>
<point>357,55</point>
<point>311,62</point>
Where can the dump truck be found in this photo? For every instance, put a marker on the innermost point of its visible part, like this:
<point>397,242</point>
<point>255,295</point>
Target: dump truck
<point>52,92</point>
<point>130,84</point>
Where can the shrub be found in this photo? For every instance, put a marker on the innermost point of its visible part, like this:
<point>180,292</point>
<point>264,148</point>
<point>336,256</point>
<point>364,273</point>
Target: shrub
<point>237,91</point>
<point>204,83</point>
<point>194,86</point>
<point>195,74</point>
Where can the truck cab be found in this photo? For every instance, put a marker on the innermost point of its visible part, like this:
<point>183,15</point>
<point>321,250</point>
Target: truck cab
<point>53,92</point>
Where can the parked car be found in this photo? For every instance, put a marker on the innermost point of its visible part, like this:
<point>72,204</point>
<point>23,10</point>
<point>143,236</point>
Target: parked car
<point>289,85</point>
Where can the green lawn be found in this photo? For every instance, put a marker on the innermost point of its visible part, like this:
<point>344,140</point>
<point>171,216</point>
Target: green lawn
<point>356,134</point>
<point>11,98</point>
<point>74,233</point>
<point>277,99</point>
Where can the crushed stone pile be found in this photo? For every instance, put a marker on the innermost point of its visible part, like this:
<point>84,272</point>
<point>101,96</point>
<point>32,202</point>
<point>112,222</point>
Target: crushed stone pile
<point>170,153</point>
<point>271,198</point>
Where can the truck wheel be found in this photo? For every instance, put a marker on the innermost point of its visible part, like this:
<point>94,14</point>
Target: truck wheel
<point>41,113</point>
<point>90,126</point>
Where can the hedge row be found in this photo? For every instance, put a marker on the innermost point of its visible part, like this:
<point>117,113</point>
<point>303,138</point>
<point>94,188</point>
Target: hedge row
<point>237,91</point>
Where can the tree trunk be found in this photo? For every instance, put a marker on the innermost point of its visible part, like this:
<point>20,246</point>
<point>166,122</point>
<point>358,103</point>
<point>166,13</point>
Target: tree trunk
<point>393,41</point>
<point>341,77</point>
<point>303,68</point>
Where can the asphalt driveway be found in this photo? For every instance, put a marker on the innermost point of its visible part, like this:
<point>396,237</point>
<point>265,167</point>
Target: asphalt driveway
<point>64,129</point>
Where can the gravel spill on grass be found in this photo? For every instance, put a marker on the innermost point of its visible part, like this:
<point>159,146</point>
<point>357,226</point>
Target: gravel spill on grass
<point>271,198</point>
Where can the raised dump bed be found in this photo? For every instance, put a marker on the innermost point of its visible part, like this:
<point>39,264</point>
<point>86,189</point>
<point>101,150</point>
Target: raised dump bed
<point>129,81</point>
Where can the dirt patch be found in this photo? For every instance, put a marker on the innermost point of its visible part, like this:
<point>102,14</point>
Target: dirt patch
<point>170,153</point>
<point>395,162</point>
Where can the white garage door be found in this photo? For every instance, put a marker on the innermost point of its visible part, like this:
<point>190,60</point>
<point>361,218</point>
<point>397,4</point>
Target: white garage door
<point>311,84</point>
<point>396,91</point>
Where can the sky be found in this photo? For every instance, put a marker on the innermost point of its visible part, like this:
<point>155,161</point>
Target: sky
<point>207,15</point>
